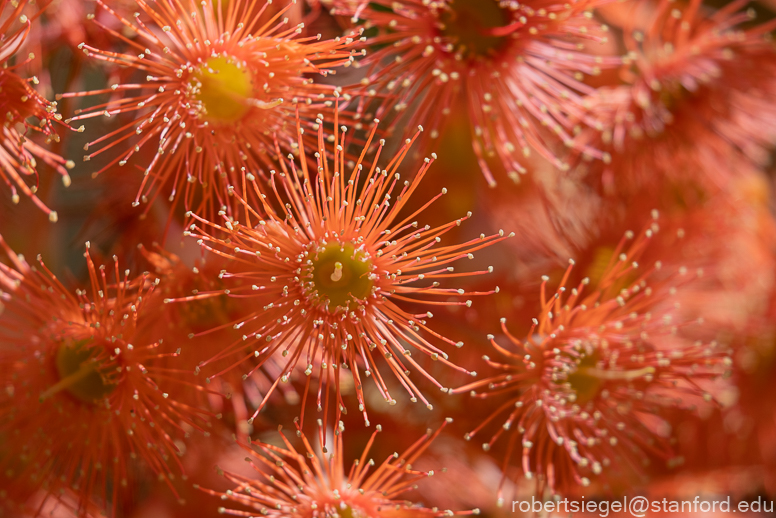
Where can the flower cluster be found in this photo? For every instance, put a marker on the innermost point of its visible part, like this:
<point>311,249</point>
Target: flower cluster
<point>321,215</point>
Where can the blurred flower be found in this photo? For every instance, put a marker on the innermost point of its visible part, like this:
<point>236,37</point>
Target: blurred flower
<point>308,484</point>
<point>323,277</point>
<point>742,434</point>
<point>698,98</point>
<point>222,84</point>
<point>82,398</point>
<point>202,455</point>
<point>513,68</point>
<point>584,391</point>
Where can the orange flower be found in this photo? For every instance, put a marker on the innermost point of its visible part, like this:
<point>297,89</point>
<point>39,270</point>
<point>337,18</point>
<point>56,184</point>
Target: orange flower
<point>583,394</point>
<point>325,277</point>
<point>20,103</point>
<point>290,483</point>
<point>698,100</point>
<point>221,85</point>
<point>512,68</point>
<point>82,399</point>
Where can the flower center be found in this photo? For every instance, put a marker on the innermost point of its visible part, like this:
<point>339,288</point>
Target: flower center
<point>470,23</point>
<point>584,383</point>
<point>340,275</point>
<point>346,512</point>
<point>206,313</point>
<point>588,379</point>
<point>223,89</point>
<point>81,373</point>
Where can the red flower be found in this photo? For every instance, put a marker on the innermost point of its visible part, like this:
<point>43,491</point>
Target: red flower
<point>698,99</point>
<point>326,277</point>
<point>582,395</point>
<point>512,68</point>
<point>221,84</point>
<point>82,398</point>
<point>290,483</point>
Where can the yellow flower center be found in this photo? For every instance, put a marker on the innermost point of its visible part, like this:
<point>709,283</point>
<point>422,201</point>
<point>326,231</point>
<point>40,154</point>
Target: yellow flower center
<point>584,383</point>
<point>346,512</point>
<point>470,22</point>
<point>223,88</point>
<point>588,379</point>
<point>80,373</point>
<point>340,275</point>
<point>207,313</point>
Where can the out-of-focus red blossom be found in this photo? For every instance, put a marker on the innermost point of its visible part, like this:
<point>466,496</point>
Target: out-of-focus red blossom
<point>554,216</point>
<point>19,104</point>
<point>66,23</point>
<point>203,327</point>
<point>743,433</point>
<point>698,99</point>
<point>733,238</point>
<point>753,419</point>
<point>516,68</point>
<point>307,484</point>
<point>202,461</point>
<point>324,278</point>
<point>48,34</point>
<point>582,396</point>
<point>115,226</point>
<point>82,398</point>
<point>728,234</point>
<point>217,88</point>
<point>60,27</point>
<point>469,479</point>
<point>729,237</point>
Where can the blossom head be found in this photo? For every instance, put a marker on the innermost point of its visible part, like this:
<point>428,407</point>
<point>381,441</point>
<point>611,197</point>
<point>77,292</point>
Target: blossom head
<point>325,277</point>
<point>222,83</point>
<point>76,357</point>
<point>584,393</point>
<point>306,484</point>
<point>512,68</point>
<point>699,87</point>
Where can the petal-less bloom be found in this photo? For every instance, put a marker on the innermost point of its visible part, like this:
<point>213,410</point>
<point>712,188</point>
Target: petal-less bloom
<point>515,69</point>
<point>20,104</point>
<point>581,396</point>
<point>81,399</point>
<point>219,88</point>
<point>328,271</point>
<point>305,484</point>
<point>699,96</point>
